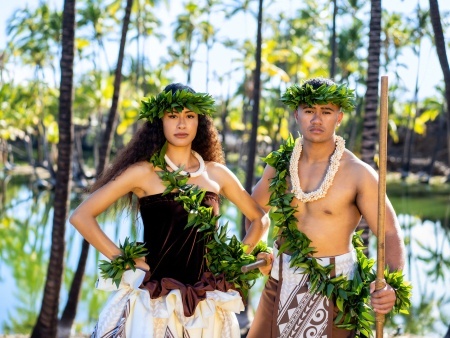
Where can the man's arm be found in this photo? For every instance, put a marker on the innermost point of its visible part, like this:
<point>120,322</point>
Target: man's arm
<point>367,202</point>
<point>383,300</point>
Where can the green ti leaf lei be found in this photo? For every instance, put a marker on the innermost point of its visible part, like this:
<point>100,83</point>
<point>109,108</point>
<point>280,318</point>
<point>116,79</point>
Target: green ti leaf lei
<point>339,95</point>
<point>116,268</point>
<point>351,296</point>
<point>154,107</point>
<point>225,254</point>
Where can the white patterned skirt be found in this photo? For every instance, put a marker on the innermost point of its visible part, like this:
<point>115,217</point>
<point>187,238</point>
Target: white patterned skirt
<point>131,313</point>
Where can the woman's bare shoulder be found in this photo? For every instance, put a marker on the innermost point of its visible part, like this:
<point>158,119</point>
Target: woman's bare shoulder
<point>141,168</point>
<point>137,170</point>
<point>220,173</point>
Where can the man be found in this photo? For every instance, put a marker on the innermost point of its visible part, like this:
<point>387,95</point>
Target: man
<point>320,191</point>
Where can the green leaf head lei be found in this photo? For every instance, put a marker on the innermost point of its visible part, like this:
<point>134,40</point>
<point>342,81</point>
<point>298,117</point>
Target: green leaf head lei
<point>175,101</point>
<point>319,91</point>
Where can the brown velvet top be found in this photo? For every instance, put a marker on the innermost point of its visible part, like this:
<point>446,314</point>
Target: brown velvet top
<point>176,255</point>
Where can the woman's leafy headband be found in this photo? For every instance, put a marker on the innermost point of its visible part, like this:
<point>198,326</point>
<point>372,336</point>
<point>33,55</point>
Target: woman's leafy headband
<point>154,107</point>
<point>306,94</point>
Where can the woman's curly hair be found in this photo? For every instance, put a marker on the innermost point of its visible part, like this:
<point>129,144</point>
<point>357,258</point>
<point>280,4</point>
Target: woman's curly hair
<point>150,138</point>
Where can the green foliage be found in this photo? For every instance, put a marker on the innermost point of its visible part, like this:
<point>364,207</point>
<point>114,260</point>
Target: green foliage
<point>225,255</point>
<point>114,269</point>
<point>154,107</point>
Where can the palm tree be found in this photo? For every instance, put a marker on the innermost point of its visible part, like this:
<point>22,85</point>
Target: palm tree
<point>333,41</point>
<point>35,37</point>
<point>370,133</point>
<point>439,41</point>
<point>111,122</point>
<point>46,325</point>
<point>249,174</point>
<point>416,36</point>
<point>69,313</point>
<point>185,31</point>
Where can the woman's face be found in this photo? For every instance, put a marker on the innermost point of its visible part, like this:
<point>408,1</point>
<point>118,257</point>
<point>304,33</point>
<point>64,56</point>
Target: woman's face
<point>180,128</point>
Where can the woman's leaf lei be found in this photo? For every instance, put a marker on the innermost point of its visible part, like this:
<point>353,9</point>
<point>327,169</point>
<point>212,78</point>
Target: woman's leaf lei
<point>154,107</point>
<point>350,296</point>
<point>339,95</point>
<point>224,255</point>
<point>115,268</point>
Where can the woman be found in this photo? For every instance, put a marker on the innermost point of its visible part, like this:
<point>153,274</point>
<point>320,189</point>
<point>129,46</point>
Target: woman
<point>174,166</point>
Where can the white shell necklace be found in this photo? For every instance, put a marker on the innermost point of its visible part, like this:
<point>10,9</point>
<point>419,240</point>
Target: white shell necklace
<point>197,173</point>
<point>329,176</point>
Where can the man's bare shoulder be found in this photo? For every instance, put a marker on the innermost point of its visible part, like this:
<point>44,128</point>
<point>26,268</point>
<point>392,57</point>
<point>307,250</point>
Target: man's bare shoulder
<point>357,168</point>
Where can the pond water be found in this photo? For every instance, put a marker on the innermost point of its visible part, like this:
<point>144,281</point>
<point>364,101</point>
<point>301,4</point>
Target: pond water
<point>25,234</point>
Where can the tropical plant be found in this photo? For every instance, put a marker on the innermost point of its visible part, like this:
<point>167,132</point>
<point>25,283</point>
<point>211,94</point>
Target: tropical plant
<point>370,133</point>
<point>46,325</point>
<point>443,60</point>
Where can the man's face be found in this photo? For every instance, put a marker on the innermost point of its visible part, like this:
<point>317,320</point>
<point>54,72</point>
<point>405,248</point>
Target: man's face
<point>319,121</point>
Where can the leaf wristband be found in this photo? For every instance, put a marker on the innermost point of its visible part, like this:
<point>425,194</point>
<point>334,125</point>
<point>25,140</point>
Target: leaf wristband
<point>261,247</point>
<point>115,268</point>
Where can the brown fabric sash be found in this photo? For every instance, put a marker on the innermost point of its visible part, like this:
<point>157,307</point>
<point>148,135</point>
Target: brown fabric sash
<point>190,294</point>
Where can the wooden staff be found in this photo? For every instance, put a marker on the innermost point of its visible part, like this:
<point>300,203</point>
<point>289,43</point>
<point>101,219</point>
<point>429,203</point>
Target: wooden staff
<point>379,282</point>
<point>258,264</point>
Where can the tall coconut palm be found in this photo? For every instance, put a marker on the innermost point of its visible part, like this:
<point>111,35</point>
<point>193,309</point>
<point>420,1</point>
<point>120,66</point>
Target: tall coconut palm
<point>185,34</point>
<point>69,313</point>
<point>416,35</point>
<point>370,132</point>
<point>46,326</point>
<point>111,122</point>
<point>333,41</point>
<point>35,37</point>
<point>439,41</point>
<point>249,172</point>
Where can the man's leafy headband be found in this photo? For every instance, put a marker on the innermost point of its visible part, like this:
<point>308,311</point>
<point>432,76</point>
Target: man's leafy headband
<point>306,94</point>
<point>154,107</point>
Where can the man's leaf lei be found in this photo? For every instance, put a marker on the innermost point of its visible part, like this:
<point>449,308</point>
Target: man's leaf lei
<point>339,95</point>
<point>350,296</point>
<point>154,107</point>
<point>114,269</point>
<point>225,254</point>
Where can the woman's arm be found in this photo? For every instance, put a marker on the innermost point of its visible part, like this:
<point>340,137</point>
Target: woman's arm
<point>84,217</point>
<point>233,190</point>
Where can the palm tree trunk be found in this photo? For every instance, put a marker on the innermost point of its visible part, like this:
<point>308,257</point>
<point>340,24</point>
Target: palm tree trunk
<point>46,326</point>
<point>439,41</point>
<point>255,111</point>
<point>370,132</point>
<point>333,42</point>
<point>249,177</point>
<point>70,310</point>
<point>105,148</point>
<point>409,139</point>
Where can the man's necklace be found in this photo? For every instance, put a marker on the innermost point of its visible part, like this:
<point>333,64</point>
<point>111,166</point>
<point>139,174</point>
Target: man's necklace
<point>329,176</point>
<point>197,173</point>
